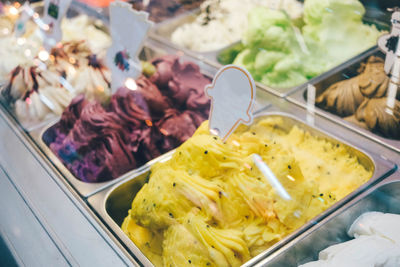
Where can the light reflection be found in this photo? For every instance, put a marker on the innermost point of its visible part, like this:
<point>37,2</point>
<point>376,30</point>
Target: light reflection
<point>223,193</point>
<point>28,52</point>
<point>72,60</point>
<point>270,177</point>
<point>43,55</point>
<point>47,101</point>
<point>389,111</point>
<point>21,41</point>
<point>163,131</point>
<point>297,213</point>
<point>235,143</point>
<point>13,10</point>
<point>39,64</point>
<point>66,85</point>
<point>131,84</point>
<point>71,70</point>
<point>391,97</point>
<point>247,166</point>
<point>290,178</point>
<point>214,131</point>
<point>46,27</point>
<point>311,91</point>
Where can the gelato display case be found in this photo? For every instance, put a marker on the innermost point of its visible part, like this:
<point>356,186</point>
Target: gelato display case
<point>92,175</point>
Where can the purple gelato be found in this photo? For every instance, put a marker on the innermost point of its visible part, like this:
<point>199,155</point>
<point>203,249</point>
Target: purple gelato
<point>99,143</point>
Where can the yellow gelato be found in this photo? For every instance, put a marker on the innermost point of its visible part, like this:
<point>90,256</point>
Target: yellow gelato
<point>210,206</point>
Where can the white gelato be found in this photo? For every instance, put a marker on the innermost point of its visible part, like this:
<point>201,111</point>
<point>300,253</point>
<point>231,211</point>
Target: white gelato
<point>386,225</point>
<point>223,22</point>
<point>376,243</point>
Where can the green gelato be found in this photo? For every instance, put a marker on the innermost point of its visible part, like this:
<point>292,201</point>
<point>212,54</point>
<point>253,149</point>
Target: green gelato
<point>280,55</point>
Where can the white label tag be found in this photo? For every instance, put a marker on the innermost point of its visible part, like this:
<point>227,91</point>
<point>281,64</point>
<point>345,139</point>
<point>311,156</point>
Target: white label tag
<point>311,92</point>
<point>54,12</point>
<point>128,29</point>
<point>233,94</point>
<point>389,43</point>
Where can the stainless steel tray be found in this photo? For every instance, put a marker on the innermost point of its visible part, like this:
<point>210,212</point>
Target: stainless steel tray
<point>383,197</point>
<point>347,70</point>
<point>112,205</point>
